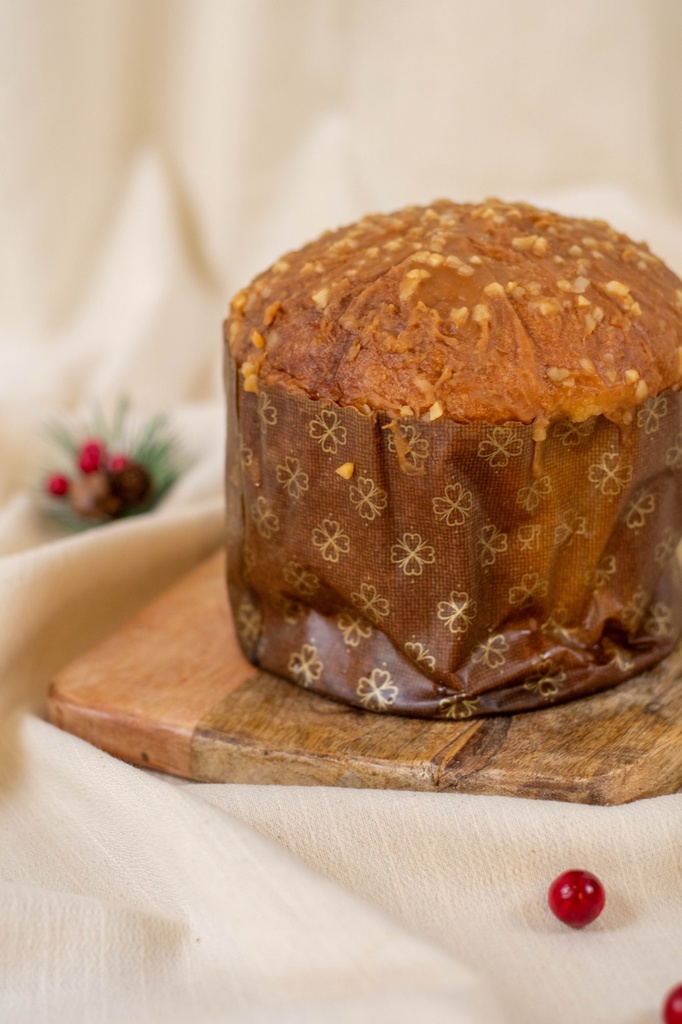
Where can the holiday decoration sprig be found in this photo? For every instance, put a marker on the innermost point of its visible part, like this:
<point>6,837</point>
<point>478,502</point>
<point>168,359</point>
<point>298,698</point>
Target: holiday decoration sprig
<point>109,470</point>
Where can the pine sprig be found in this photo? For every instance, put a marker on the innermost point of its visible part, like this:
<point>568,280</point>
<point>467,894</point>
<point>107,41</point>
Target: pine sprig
<point>92,495</point>
<point>62,437</point>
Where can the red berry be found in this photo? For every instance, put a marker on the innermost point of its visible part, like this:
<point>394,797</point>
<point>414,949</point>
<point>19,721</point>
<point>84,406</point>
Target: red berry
<point>672,1008</point>
<point>576,898</point>
<point>57,485</point>
<point>118,462</point>
<point>91,456</point>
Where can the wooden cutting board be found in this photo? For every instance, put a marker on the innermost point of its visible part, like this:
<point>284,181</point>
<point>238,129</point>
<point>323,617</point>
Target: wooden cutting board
<point>171,690</point>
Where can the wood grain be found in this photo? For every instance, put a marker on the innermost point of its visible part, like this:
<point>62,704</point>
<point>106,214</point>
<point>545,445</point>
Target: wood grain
<point>140,693</point>
<point>171,690</point>
<point>620,745</point>
<point>272,731</point>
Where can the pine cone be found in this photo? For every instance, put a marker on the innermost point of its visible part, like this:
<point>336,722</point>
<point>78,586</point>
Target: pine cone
<point>90,497</point>
<point>131,485</point>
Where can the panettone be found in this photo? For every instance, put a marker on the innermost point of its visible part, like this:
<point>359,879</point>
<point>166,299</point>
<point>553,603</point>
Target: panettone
<point>453,460</point>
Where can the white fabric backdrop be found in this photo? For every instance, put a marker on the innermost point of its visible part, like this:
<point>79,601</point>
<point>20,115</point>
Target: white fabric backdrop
<point>153,156</point>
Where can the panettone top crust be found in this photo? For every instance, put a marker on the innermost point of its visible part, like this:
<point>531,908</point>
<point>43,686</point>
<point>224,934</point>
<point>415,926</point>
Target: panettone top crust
<point>481,313</point>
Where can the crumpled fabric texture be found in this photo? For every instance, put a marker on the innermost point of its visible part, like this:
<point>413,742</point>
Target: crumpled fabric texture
<point>154,157</point>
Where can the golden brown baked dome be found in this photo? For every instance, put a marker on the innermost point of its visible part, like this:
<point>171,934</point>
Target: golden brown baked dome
<point>484,313</point>
<point>397,537</point>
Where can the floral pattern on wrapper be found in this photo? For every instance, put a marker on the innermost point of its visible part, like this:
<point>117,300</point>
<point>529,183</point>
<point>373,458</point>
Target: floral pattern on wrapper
<point>444,578</point>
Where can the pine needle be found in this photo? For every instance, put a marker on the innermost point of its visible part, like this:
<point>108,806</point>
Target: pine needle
<point>151,444</point>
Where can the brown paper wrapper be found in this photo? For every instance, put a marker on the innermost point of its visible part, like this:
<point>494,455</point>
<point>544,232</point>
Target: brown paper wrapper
<point>449,577</point>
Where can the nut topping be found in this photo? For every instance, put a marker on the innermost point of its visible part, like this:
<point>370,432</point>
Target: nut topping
<point>557,373</point>
<point>459,316</point>
<point>617,288</point>
<point>410,283</point>
<point>321,298</point>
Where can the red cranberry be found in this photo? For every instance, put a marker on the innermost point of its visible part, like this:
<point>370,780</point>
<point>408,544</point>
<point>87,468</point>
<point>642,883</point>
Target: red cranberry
<point>672,1008</point>
<point>91,456</point>
<point>57,485</point>
<point>118,462</point>
<point>576,898</point>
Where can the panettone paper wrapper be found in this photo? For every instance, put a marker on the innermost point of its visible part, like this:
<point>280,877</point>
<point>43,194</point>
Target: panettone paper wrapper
<point>459,571</point>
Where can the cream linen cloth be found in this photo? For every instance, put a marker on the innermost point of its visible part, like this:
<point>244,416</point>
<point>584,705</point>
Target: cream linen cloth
<point>154,155</point>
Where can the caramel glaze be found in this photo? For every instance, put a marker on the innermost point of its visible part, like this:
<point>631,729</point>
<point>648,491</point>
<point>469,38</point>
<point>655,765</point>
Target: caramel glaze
<point>482,313</point>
